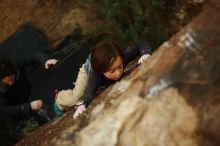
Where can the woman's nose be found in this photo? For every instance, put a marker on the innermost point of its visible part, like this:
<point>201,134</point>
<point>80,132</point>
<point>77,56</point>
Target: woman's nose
<point>118,72</point>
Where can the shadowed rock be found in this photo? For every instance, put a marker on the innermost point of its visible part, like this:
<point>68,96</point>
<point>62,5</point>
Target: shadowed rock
<point>172,99</point>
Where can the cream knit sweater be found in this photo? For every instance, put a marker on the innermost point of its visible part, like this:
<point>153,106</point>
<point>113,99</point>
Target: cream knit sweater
<point>67,98</point>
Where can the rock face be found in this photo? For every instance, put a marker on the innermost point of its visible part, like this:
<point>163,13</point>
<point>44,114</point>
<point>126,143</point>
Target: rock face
<point>172,99</point>
<point>55,18</point>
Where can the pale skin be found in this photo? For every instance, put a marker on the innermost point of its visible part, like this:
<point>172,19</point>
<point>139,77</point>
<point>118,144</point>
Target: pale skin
<point>10,80</point>
<point>116,70</point>
<point>49,63</point>
<point>114,73</point>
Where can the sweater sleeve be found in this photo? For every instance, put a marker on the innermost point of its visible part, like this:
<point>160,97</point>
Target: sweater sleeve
<point>15,111</point>
<point>40,57</point>
<point>70,97</point>
<point>94,81</point>
<point>138,49</point>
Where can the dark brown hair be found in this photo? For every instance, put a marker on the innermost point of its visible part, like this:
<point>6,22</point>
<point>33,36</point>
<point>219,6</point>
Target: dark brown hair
<point>104,55</point>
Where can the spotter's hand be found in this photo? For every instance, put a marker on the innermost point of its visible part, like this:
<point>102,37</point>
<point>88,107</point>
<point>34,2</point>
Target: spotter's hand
<point>50,62</point>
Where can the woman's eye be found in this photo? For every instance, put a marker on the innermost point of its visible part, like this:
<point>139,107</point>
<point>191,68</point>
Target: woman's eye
<point>120,66</point>
<point>112,71</point>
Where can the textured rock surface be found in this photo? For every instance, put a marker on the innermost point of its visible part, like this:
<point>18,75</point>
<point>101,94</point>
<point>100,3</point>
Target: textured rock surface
<point>173,99</point>
<point>56,18</point>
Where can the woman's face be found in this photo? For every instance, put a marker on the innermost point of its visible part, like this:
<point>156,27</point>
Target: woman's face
<point>116,70</point>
